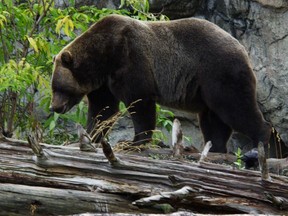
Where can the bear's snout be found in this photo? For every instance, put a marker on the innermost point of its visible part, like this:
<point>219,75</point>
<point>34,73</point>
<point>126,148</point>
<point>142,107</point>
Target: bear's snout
<point>62,103</point>
<point>59,103</point>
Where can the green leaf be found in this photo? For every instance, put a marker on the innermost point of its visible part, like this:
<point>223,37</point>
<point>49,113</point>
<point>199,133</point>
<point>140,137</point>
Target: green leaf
<point>33,44</point>
<point>71,25</point>
<point>66,29</point>
<point>3,18</point>
<point>122,4</point>
<point>58,26</point>
<point>52,125</point>
<point>9,3</point>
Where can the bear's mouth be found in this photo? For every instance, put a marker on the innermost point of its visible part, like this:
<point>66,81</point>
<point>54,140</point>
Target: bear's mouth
<point>62,103</point>
<point>61,109</point>
<point>64,109</point>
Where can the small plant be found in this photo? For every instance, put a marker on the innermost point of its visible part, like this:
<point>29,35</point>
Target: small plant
<point>158,137</point>
<point>239,163</point>
<point>164,118</point>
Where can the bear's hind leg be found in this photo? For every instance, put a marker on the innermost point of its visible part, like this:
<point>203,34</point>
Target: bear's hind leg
<point>143,115</point>
<point>244,116</point>
<point>254,126</point>
<point>214,130</point>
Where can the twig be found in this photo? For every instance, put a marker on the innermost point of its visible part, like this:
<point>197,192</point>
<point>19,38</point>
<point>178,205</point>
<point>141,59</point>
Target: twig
<point>263,162</point>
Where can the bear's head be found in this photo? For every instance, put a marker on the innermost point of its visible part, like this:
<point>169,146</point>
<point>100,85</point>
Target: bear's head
<point>67,91</point>
<point>85,64</point>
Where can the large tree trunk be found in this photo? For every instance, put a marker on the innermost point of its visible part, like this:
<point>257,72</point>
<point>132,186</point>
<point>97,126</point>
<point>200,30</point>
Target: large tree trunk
<point>64,180</point>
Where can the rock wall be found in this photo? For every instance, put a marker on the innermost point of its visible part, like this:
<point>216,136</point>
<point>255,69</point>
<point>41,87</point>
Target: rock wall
<point>262,27</point>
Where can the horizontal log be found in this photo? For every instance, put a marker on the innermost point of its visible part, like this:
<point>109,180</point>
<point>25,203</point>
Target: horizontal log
<point>70,181</point>
<point>26,200</point>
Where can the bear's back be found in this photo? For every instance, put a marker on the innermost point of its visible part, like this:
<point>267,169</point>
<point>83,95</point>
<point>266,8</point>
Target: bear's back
<point>179,53</point>
<point>188,51</point>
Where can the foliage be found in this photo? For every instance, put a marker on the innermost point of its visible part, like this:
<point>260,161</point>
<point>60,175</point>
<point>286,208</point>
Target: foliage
<point>31,33</point>
<point>164,118</point>
<point>239,163</point>
<point>140,10</point>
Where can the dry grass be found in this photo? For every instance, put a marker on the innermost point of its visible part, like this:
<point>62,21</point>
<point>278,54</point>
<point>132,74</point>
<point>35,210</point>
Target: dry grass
<point>103,128</point>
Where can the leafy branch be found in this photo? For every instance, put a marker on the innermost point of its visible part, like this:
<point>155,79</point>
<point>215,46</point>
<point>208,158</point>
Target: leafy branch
<point>34,27</point>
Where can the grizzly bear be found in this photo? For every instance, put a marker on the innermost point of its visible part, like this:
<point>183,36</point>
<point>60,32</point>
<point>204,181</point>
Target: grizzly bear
<point>188,64</point>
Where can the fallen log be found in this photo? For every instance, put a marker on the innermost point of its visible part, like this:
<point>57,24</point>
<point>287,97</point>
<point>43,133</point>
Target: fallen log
<point>64,180</point>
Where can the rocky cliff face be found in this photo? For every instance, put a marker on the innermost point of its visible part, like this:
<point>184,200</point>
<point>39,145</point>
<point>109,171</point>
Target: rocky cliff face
<point>262,27</point>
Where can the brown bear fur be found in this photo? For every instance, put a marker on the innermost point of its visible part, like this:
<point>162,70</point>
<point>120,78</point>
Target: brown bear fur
<point>189,64</point>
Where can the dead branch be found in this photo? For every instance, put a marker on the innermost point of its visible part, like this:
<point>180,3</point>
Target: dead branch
<point>205,151</point>
<point>108,152</point>
<point>167,197</point>
<point>177,139</point>
<point>263,162</point>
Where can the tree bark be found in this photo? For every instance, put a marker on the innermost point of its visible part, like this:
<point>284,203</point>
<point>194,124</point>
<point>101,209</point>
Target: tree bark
<point>63,180</point>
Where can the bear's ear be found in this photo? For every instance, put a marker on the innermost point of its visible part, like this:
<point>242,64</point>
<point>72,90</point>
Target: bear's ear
<point>67,58</point>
